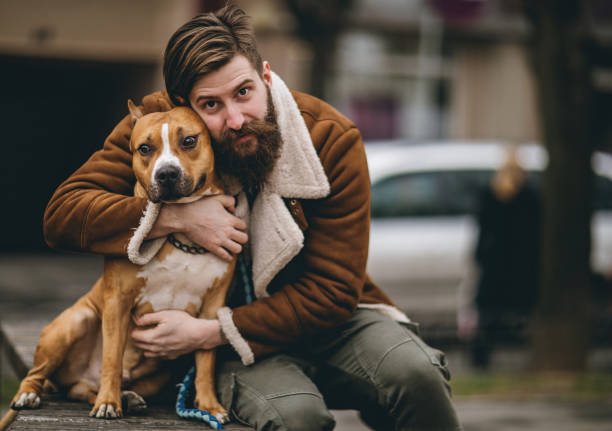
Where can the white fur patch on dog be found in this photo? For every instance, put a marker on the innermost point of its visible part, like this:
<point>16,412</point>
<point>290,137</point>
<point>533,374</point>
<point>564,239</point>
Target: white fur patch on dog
<point>180,279</point>
<point>167,157</point>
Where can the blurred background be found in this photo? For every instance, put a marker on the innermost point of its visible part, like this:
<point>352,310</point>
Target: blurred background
<point>439,90</point>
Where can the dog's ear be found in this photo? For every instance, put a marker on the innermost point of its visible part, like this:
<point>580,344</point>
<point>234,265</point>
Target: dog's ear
<point>134,111</point>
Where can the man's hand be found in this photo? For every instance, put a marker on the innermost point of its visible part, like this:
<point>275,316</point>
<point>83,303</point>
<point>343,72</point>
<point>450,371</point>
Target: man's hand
<point>169,334</point>
<point>209,222</point>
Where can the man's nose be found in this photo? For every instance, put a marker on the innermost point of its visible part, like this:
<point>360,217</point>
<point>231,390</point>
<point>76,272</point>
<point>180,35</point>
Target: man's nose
<point>234,119</point>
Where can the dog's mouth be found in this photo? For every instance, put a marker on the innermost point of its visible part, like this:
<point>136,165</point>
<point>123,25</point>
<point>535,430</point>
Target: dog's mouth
<point>200,183</point>
<point>178,193</point>
<point>171,191</point>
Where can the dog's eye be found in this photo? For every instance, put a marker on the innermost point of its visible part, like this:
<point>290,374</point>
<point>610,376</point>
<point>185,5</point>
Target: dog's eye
<point>145,149</point>
<point>190,142</point>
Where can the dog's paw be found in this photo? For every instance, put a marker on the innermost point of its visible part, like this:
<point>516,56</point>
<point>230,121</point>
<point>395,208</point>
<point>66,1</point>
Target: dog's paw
<point>106,411</point>
<point>26,400</point>
<point>215,409</point>
<point>131,401</point>
<point>222,417</point>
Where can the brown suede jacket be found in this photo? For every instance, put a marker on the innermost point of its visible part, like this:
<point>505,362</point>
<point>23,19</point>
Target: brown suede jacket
<point>312,231</point>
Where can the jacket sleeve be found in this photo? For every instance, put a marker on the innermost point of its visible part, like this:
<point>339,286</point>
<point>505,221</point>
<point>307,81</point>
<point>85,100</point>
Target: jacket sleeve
<point>94,210</point>
<point>333,258</point>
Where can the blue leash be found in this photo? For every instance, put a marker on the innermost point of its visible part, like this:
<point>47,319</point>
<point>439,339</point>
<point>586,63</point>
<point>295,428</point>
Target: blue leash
<point>186,413</point>
<point>184,387</point>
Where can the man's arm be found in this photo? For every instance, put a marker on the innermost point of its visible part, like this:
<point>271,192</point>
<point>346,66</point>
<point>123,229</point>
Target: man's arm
<point>94,210</point>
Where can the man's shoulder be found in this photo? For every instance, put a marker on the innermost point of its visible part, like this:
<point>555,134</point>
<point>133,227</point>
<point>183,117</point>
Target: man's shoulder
<point>315,110</point>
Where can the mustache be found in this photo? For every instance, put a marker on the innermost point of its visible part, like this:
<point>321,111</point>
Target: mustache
<point>250,169</point>
<point>254,127</point>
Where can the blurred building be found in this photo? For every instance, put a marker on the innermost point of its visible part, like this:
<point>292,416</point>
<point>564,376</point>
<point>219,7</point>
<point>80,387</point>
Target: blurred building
<point>68,68</point>
<point>424,69</point>
<point>446,69</point>
<point>401,69</point>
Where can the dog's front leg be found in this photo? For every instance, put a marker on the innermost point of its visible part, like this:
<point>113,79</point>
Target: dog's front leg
<point>206,397</point>
<point>120,290</point>
<point>115,321</point>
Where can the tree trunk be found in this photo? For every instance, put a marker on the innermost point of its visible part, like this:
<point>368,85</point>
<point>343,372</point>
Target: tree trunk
<point>320,23</point>
<point>561,330</point>
<point>321,66</point>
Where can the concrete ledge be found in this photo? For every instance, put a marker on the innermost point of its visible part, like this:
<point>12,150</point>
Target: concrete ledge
<point>18,340</point>
<point>59,414</point>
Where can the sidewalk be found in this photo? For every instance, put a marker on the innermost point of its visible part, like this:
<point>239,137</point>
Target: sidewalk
<point>35,286</point>
<point>517,415</point>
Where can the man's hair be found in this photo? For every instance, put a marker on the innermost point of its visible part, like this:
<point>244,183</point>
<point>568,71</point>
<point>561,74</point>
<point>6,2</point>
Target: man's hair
<point>204,44</point>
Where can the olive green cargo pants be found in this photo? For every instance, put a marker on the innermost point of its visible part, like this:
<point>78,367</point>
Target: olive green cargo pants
<point>371,364</point>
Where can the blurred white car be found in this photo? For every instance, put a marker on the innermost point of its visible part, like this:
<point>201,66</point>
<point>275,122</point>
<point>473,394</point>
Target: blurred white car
<point>424,199</point>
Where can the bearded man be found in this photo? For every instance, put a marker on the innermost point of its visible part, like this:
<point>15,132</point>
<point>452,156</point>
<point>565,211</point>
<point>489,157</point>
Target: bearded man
<point>319,334</point>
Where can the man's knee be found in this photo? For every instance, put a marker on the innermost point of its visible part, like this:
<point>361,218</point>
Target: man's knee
<point>416,383</point>
<point>414,375</point>
<point>296,412</point>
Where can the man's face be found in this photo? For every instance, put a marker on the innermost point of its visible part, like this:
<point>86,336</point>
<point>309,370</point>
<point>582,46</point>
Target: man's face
<point>236,105</point>
<point>228,98</point>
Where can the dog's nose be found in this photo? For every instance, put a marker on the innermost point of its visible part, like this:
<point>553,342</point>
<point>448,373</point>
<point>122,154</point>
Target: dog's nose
<point>167,175</point>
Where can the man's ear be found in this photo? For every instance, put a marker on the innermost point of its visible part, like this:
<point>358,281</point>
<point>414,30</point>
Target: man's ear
<point>134,111</point>
<point>266,73</point>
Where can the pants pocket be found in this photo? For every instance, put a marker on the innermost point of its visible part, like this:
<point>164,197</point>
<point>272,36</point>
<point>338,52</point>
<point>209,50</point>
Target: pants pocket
<point>228,397</point>
<point>435,356</point>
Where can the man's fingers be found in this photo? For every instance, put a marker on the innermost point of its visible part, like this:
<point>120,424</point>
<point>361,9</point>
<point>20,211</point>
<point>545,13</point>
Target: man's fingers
<point>227,201</point>
<point>143,345</point>
<point>145,342</point>
<point>239,237</point>
<point>233,247</point>
<point>222,253</point>
<point>143,336</point>
<point>148,319</point>
<point>239,224</point>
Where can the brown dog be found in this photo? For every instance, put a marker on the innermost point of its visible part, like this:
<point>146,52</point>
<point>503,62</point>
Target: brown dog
<point>86,349</point>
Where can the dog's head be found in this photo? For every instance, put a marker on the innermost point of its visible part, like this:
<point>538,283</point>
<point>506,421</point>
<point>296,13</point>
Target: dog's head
<point>173,158</point>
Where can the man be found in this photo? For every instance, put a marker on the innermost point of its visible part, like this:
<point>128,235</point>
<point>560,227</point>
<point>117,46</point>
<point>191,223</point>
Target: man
<point>320,334</point>
<point>507,256</point>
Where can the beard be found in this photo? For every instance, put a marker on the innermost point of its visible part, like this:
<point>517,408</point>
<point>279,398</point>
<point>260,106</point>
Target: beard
<point>251,168</point>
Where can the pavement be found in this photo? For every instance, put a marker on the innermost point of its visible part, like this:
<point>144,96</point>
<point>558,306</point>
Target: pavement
<point>35,285</point>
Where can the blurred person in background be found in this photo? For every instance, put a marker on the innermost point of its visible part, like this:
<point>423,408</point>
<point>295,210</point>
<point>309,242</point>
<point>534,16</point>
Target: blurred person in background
<point>319,334</point>
<point>497,301</point>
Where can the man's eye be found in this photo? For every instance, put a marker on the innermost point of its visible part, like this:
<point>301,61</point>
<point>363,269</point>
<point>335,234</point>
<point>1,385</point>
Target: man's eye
<point>189,142</point>
<point>210,104</point>
<point>145,149</point>
<point>243,91</point>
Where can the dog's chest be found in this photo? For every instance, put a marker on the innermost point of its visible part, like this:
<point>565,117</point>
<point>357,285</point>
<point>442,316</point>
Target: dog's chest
<point>180,280</point>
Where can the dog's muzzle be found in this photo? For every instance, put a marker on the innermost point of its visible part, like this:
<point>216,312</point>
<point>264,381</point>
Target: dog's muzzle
<point>167,176</point>
<point>170,184</point>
